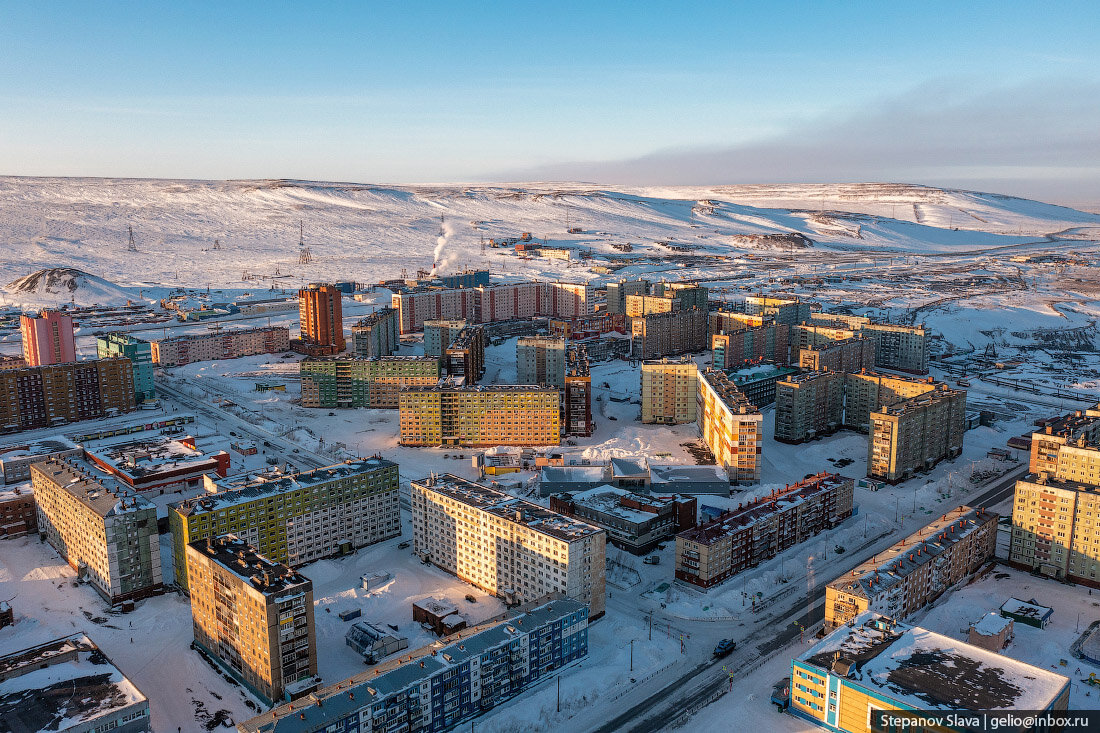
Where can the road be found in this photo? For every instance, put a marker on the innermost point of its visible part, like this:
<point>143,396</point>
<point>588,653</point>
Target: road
<point>646,709</point>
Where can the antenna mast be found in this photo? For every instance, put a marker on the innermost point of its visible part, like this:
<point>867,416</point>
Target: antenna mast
<point>304,255</point>
<point>131,247</point>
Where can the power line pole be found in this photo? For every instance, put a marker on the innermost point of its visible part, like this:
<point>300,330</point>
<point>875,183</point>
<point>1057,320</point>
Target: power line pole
<point>131,247</point>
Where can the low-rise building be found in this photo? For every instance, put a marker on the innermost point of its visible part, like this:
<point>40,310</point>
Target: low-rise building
<point>158,464</point>
<point>743,538</point>
<point>507,546</point>
<point>915,434</point>
<point>731,427</point>
<point>294,518</point>
<point>450,682</point>
<point>377,334</point>
<point>376,382</point>
<point>254,617</point>
<point>140,354</point>
<point>634,522</point>
<point>69,685</point>
<point>18,515</point>
<point>101,527</point>
<point>479,416</point>
<point>220,344</point>
<point>916,571</point>
<point>876,664</point>
<point>16,458</point>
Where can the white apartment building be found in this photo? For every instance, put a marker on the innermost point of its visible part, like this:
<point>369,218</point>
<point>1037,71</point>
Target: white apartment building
<point>507,546</point>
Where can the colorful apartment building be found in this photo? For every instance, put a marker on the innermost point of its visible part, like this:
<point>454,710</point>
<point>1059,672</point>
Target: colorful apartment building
<point>140,354</point>
<point>294,518</point>
<point>917,570</point>
<point>450,414</point>
<point>101,527</point>
<point>44,396</point>
<point>222,344</point>
<point>670,391</point>
<point>254,617</point>
<point>321,317</point>
<point>731,426</point>
<point>751,534</point>
<point>492,303</point>
<point>1054,528</point>
<point>377,334</point>
<point>509,547</point>
<point>352,381</point>
<point>47,338</point>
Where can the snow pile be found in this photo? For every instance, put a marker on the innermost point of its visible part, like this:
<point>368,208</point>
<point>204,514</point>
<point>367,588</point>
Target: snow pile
<point>54,286</point>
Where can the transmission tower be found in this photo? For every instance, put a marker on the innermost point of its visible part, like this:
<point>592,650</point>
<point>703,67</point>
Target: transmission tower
<point>217,244</point>
<point>304,255</point>
<point>131,247</point>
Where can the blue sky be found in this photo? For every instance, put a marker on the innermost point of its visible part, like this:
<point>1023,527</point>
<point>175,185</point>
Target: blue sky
<point>616,92</point>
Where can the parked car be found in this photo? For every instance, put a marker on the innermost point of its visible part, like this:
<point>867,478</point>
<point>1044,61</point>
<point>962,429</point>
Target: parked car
<point>471,598</point>
<point>404,545</point>
<point>724,648</point>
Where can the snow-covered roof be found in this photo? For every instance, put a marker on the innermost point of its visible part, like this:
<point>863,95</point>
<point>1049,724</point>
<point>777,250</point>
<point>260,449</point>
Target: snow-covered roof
<point>42,447</point>
<point>991,624</point>
<point>677,473</point>
<point>924,670</point>
<point>92,486</point>
<point>574,474</point>
<point>1031,609</point>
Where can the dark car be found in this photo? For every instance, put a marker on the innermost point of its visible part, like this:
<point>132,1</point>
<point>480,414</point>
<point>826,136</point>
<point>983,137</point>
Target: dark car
<point>725,647</point>
<point>404,545</point>
<point>471,598</point>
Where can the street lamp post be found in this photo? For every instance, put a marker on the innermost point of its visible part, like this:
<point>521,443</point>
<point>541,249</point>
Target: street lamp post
<point>632,652</point>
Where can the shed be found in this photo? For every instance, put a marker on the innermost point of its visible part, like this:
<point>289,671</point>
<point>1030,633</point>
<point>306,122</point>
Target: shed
<point>992,632</point>
<point>438,615</point>
<point>1027,612</point>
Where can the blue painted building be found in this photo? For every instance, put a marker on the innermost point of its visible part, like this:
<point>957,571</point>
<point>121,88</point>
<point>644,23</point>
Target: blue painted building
<point>140,354</point>
<point>466,279</point>
<point>446,683</point>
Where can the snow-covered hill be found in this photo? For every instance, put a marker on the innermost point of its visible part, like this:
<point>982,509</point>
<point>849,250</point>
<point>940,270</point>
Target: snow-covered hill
<point>369,232</point>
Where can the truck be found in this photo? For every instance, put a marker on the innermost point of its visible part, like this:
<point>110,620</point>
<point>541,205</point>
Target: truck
<point>724,648</point>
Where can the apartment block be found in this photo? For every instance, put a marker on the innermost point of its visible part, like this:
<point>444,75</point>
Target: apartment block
<point>321,317</point>
<point>254,617</point>
<point>668,334</point>
<point>377,334</point>
<point>68,685</point>
<point>16,458</point>
<point>465,356</point>
<point>1056,528</point>
<point>140,354</point>
<point>102,528</point>
<point>294,518</point>
<point>915,434</point>
<point>751,534</point>
<point>438,335</point>
<point>634,522</point>
<point>730,426</point>
<point>376,382</point>
<point>758,382</point>
<point>453,414</point>
<point>437,687</point>
<point>904,348</point>
<point>808,406</point>
<point>644,305</point>
<point>541,360</point>
<point>577,396</point>
<point>506,546</point>
<point>670,391</point>
<point>47,338</point>
<point>733,347</point>
<point>492,303</point>
<point>39,397</point>
<point>617,293</point>
<point>879,665</point>
<point>690,295</point>
<point>789,310</point>
<point>916,571</point>
<point>222,344</point>
<point>589,327</point>
<point>866,392</point>
<point>846,355</point>
<point>12,361</point>
<point>18,512</point>
<point>1065,447</point>
<point>814,334</point>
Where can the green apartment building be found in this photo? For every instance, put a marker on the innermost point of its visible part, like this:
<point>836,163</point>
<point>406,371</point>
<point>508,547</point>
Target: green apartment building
<point>294,518</point>
<point>345,381</point>
<point>140,354</point>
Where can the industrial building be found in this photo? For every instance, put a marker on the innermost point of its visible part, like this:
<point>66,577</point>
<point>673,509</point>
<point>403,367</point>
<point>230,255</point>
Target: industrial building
<point>294,518</point>
<point>670,391</point>
<point>254,617</point>
<point>453,681</point>
<point>140,354</point>
<point>453,414</point>
<point>915,434</point>
<point>16,458</point>
<point>353,381</point>
<point>321,318</point>
<point>68,685</point>
<point>747,536</point>
<point>635,522</point>
<point>45,396</point>
<point>47,338</point>
<point>916,571</point>
<point>221,344</point>
<point>377,334</point>
<point>877,664</point>
<point>509,547</point>
<point>731,426</point>
<point>541,360</point>
<point>102,528</point>
<point>667,334</point>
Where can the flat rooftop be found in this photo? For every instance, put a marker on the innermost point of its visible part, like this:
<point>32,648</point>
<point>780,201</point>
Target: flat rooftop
<point>136,459</point>
<point>607,500</point>
<point>225,331</point>
<point>929,671</point>
<point>506,506</point>
<point>41,447</point>
<point>889,567</point>
<point>67,679</point>
<point>734,399</point>
<point>92,486</point>
<point>375,684</point>
<point>244,561</point>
